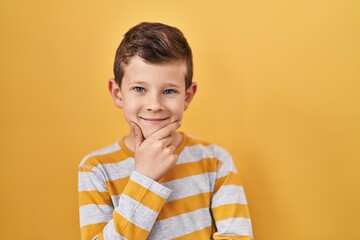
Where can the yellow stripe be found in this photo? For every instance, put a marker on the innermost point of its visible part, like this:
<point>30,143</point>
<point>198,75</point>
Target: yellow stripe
<point>143,195</point>
<point>189,169</point>
<point>230,211</point>
<point>128,229</point>
<point>90,231</point>
<point>84,169</point>
<point>218,237</point>
<point>204,233</point>
<point>184,205</point>
<point>186,141</point>
<point>230,179</point>
<point>116,187</point>
<point>114,157</point>
<point>192,141</point>
<point>94,197</point>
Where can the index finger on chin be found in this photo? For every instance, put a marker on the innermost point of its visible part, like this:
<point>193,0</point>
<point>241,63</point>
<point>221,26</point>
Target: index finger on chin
<point>166,131</point>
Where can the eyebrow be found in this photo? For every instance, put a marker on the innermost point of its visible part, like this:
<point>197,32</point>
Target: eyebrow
<point>137,82</point>
<point>171,85</point>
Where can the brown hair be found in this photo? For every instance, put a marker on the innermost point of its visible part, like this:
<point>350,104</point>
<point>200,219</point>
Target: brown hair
<point>155,43</point>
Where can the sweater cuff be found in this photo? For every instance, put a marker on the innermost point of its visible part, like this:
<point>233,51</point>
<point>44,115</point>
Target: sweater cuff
<point>150,184</point>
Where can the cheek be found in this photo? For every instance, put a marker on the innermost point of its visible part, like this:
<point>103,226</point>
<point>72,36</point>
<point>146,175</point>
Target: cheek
<point>130,109</point>
<point>131,104</point>
<point>177,108</point>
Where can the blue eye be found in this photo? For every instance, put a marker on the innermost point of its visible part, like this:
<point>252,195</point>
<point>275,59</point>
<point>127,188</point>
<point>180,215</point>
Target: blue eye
<point>139,89</point>
<point>169,91</point>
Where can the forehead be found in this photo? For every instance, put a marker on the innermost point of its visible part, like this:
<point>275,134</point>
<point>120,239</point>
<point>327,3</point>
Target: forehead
<point>139,70</point>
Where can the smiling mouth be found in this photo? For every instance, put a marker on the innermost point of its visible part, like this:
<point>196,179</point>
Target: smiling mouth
<point>154,120</point>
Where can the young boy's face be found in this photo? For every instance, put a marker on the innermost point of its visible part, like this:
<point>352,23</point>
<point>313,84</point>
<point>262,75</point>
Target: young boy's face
<point>152,95</point>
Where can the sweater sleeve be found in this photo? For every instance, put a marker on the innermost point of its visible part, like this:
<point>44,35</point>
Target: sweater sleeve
<point>229,205</point>
<point>133,218</point>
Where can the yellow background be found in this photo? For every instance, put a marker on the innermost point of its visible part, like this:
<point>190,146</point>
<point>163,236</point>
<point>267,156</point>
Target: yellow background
<point>278,83</point>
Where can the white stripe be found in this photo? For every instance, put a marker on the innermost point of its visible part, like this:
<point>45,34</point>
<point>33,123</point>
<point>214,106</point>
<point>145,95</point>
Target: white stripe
<point>115,199</point>
<point>106,150</point>
<point>194,153</point>
<point>229,194</point>
<point>212,180</point>
<point>198,152</point>
<point>89,181</point>
<point>92,214</point>
<point>150,184</point>
<point>188,186</point>
<point>118,170</point>
<point>182,224</point>
<point>137,213</point>
<point>234,226</point>
<point>110,232</point>
<point>227,164</point>
<point>189,154</point>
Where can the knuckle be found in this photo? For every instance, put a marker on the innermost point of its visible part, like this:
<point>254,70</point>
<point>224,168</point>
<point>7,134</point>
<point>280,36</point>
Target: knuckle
<point>163,144</point>
<point>167,151</point>
<point>154,144</point>
<point>159,144</point>
<point>174,158</point>
<point>150,138</point>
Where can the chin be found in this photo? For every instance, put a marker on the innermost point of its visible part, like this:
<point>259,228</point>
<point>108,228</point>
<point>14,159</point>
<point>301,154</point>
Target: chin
<point>148,131</point>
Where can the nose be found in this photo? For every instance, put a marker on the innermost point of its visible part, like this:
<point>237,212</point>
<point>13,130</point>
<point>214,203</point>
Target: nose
<point>154,103</point>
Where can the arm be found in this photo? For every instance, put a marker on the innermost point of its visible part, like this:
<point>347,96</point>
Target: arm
<point>229,205</point>
<point>139,205</point>
<point>142,198</point>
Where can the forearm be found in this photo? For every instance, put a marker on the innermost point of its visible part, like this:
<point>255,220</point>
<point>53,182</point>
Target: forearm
<point>133,218</point>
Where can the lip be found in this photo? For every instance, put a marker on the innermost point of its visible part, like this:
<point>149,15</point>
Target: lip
<point>153,120</point>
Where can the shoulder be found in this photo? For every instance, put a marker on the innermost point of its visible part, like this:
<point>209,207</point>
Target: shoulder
<point>201,148</point>
<point>100,156</point>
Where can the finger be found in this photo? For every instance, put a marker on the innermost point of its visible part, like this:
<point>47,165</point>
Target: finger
<point>137,133</point>
<point>165,142</point>
<point>165,131</point>
<point>170,151</point>
<point>175,157</point>
<point>172,148</point>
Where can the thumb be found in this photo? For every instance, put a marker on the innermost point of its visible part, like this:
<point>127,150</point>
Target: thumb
<point>138,135</point>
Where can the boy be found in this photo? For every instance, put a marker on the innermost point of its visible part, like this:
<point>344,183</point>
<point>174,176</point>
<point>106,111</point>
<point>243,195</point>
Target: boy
<point>157,183</point>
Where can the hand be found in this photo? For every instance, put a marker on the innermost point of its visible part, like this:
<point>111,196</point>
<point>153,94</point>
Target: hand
<point>154,156</point>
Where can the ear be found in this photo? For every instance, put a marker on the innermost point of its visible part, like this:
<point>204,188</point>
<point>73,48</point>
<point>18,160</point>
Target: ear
<point>189,94</point>
<point>115,93</point>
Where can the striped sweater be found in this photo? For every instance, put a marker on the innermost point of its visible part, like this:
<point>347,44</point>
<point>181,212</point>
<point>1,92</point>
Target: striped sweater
<point>201,197</point>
